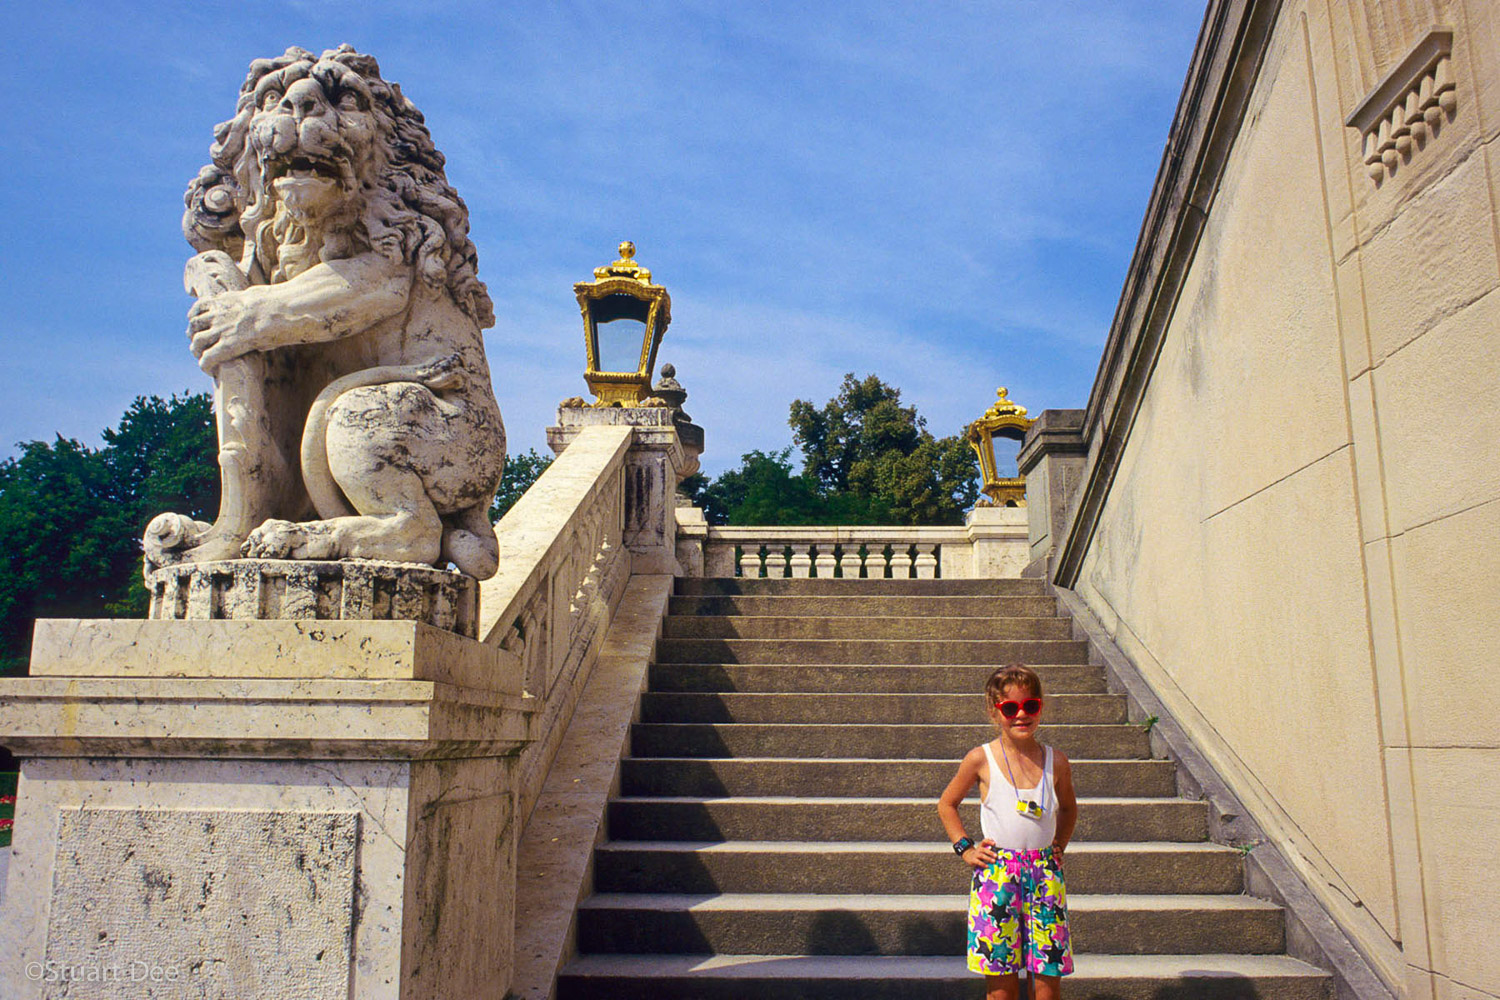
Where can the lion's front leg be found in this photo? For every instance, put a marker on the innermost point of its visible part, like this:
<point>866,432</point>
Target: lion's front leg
<point>330,301</point>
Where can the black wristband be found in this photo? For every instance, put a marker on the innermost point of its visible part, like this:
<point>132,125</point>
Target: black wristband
<point>962,844</point>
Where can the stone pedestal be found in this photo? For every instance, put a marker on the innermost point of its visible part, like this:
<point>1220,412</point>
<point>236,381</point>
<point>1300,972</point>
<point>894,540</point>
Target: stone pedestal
<point>995,534</point>
<point>657,461</point>
<point>1051,458</point>
<point>307,808</point>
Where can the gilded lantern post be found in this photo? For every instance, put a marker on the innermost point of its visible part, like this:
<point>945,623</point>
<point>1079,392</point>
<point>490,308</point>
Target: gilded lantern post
<point>622,291</point>
<point>1006,419</point>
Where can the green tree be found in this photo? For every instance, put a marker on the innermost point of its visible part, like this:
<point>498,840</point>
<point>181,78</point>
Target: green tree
<point>71,517</point>
<point>520,472</point>
<point>863,422</point>
<point>866,459</point>
<point>874,457</point>
<point>763,490</point>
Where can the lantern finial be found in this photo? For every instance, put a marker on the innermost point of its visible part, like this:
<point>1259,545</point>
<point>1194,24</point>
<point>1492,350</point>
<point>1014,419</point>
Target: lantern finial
<point>625,267</point>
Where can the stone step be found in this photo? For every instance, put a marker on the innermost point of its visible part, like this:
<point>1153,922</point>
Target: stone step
<point>833,606</point>
<point>782,924</point>
<point>861,818</point>
<point>712,777</point>
<point>895,867</point>
<point>870,627</point>
<point>964,678</point>
<point>908,651</point>
<point>751,739</point>
<point>779,587</point>
<point>900,977</point>
<point>1075,709</point>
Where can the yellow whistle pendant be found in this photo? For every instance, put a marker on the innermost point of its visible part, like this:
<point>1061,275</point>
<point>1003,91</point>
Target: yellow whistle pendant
<point>1026,807</point>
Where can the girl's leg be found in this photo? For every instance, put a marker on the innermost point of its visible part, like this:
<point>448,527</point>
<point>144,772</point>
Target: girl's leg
<point>1045,987</point>
<point>1002,987</point>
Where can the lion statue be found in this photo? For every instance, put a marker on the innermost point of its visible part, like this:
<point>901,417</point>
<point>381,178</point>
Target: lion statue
<point>339,311</point>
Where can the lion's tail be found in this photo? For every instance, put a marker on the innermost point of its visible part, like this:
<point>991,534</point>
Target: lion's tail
<point>322,489</point>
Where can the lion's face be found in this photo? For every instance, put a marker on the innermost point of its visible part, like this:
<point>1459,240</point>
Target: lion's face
<point>325,159</point>
<point>315,139</point>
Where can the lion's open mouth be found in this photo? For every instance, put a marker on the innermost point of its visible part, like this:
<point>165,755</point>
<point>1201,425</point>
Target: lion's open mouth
<point>304,166</point>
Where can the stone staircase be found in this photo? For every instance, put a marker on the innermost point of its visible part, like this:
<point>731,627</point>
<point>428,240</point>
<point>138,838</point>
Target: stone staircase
<point>776,830</point>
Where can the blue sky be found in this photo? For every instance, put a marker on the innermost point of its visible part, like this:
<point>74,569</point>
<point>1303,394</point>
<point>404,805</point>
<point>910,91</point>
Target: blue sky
<point>944,194</point>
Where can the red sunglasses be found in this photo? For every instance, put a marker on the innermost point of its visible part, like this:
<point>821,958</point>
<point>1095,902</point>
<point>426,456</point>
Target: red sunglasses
<point>1010,709</point>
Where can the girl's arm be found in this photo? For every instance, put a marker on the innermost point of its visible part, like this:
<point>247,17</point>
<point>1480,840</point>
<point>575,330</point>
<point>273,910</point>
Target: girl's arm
<point>980,854</point>
<point>1067,802</point>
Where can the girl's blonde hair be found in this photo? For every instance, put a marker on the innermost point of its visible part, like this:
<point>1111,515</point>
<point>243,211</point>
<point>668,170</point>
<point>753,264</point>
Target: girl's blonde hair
<point>1017,675</point>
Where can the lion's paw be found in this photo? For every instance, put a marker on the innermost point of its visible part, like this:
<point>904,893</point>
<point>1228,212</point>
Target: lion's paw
<point>168,532</point>
<point>280,540</point>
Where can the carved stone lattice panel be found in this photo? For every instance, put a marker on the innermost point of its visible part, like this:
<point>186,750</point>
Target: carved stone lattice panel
<point>1407,108</point>
<point>350,590</point>
<point>188,903</point>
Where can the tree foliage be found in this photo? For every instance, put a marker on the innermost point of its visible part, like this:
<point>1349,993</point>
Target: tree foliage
<point>866,459</point>
<point>520,472</point>
<point>71,516</point>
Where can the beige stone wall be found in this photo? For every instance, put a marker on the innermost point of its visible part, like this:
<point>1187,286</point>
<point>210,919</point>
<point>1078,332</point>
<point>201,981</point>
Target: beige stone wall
<point>1301,546</point>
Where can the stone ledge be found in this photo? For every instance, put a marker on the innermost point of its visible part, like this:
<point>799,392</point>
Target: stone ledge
<point>329,650</point>
<point>309,719</point>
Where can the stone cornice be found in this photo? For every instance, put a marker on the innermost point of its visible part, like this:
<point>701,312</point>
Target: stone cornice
<point>1220,80</point>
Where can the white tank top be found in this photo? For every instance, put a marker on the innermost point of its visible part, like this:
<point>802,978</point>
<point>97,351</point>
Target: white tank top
<point>1001,822</point>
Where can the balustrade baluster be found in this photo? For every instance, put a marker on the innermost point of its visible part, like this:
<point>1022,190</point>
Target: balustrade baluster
<point>812,553</point>
<point>927,563</point>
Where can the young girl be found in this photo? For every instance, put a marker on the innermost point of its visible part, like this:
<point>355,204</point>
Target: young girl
<point>1018,910</point>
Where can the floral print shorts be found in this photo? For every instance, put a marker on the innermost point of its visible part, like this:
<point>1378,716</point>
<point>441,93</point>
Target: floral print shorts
<point>1018,916</point>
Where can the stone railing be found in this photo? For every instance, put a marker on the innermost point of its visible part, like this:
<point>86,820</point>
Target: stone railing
<point>992,544</point>
<point>563,567</point>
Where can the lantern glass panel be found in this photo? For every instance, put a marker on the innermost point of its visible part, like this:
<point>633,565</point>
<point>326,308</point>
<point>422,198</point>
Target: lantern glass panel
<point>620,345</point>
<point>619,323</point>
<point>1006,449</point>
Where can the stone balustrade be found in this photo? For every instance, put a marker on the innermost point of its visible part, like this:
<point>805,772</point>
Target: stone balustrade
<point>563,567</point>
<point>992,544</point>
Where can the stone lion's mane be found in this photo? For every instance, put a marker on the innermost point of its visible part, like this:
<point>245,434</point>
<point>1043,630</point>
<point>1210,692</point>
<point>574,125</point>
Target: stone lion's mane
<point>409,212</point>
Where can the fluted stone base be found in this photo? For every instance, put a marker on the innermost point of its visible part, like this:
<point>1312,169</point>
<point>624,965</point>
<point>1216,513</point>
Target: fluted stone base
<point>347,590</point>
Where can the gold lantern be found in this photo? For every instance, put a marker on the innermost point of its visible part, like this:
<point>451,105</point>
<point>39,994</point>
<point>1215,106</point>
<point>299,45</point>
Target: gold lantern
<point>624,318</point>
<point>1007,420</point>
